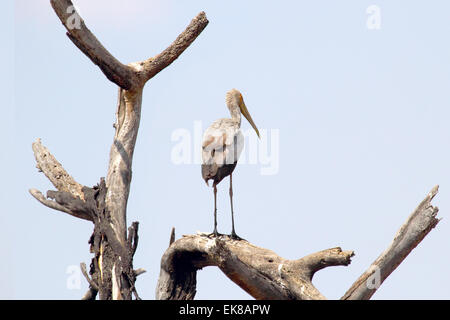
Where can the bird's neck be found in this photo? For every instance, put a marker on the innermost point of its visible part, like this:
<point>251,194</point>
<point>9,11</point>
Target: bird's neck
<point>235,114</point>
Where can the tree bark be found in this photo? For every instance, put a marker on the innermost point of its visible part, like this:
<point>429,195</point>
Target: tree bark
<point>112,274</point>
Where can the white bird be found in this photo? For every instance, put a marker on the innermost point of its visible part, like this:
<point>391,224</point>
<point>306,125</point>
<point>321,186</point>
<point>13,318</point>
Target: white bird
<point>221,147</point>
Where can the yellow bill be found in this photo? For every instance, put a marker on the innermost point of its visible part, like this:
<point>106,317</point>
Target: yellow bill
<point>247,116</point>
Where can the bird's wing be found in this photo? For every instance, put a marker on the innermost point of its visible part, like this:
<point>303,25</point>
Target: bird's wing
<point>222,144</point>
<point>233,150</point>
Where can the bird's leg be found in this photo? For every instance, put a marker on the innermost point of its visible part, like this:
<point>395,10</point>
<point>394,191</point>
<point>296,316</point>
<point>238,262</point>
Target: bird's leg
<point>215,233</point>
<point>233,232</point>
<point>215,211</point>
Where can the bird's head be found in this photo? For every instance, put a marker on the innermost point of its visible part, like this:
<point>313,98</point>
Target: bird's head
<point>234,98</point>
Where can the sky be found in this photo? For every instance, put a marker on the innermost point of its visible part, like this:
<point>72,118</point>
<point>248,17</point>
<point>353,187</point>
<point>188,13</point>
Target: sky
<point>352,97</point>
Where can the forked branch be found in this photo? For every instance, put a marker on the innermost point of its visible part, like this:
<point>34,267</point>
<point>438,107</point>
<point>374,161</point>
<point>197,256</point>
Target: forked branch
<point>265,275</point>
<point>133,75</point>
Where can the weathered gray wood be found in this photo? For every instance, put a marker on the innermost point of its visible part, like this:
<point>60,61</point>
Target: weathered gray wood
<point>154,65</point>
<point>63,182</point>
<point>54,171</point>
<point>260,272</point>
<point>133,75</point>
<point>56,206</point>
<point>118,179</point>
<point>83,38</point>
<point>418,225</point>
<point>93,287</point>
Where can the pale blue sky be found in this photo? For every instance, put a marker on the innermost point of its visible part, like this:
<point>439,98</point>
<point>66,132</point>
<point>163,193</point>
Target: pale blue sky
<point>362,118</point>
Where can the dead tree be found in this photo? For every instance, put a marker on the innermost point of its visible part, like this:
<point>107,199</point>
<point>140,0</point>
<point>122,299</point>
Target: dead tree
<point>265,275</point>
<point>111,271</point>
<point>260,272</point>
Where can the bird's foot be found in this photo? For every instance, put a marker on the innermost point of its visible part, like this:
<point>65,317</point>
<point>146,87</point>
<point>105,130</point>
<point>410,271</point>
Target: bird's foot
<point>234,236</point>
<point>214,234</point>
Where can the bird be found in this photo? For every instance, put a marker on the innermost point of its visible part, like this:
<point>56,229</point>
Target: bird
<point>222,145</point>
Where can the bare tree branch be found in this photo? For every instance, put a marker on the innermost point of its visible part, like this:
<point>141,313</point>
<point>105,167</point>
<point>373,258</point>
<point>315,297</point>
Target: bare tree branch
<point>139,271</point>
<point>152,66</point>
<point>56,206</point>
<point>83,38</point>
<point>129,76</point>
<point>418,225</point>
<point>68,188</point>
<point>88,279</point>
<point>322,259</point>
<point>260,272</point>
<point>54,171</point>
